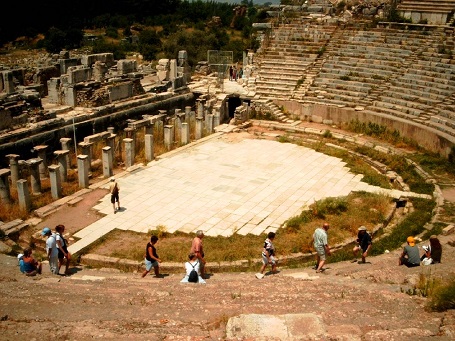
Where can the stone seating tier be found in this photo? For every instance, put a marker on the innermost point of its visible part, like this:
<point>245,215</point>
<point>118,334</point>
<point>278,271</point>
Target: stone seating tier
<point>287,69</point>
<point>448,114</point>
<point>370,55</point>
<point>439,86</point>
<point>362,67</point>
<point>276,74</point>
<point>342,84</point>
<point>367,79</point>
<point>397,110</point>
<point>411,88</point>
<point>405,101</point>
<point>284,64</point>
<point>353,95</point>
<point>277,81</point>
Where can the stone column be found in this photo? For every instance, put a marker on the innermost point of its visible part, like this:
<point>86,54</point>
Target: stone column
<point>108,164</point>
<point>185,133</point>
<point>149,129</point>
<point>216,119</point>
<point>111,142</point>
<point>110,130</point>
<point>199,125</point>
<point>66,146</point>
<point>62,156</point>
<point>87,151</point>
<point>168,137</point>
<point>35,175</point>
<point>200,108</point>
<point>82,170</point>
<point>56,184</point>
<point>130,133</point>
<point>5,195</point>
<point>42,155</point>
<point>187,110</point>
<point>14,167</point>
<point>149,151</point>
<point>23,195</point>
<point>209,123</point>
<point>129,152</point>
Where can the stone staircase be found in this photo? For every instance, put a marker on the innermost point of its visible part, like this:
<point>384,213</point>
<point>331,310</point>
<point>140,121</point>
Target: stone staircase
<point>291,52</point>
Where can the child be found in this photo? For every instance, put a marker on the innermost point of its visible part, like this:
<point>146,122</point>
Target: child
<point>193,263</point>
<point>268,255</point>
<point>151,258</point>
<point>31,266</point>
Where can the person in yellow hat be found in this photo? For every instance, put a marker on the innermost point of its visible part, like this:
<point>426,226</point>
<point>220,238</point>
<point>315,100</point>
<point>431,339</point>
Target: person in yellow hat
<point>410,255</point>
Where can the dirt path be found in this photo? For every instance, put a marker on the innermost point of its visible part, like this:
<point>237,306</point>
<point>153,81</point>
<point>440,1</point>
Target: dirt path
<point>355,302</point>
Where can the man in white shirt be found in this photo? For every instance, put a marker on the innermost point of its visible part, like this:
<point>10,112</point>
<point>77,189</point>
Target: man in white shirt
<point>51,250</point>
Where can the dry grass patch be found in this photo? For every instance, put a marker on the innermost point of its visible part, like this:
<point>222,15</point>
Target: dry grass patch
<point>344,214</point>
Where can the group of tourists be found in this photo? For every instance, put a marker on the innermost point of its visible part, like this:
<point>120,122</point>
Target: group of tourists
<point>411,257</point>
<point>235,73</point>
<point>56,251</point>
<point>58,255</point>
<point>194,267</point>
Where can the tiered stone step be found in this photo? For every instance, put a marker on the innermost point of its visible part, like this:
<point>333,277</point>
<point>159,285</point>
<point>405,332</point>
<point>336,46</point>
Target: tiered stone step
<point>13,227</point>
<point>292,50</point>
<point>430,6</point>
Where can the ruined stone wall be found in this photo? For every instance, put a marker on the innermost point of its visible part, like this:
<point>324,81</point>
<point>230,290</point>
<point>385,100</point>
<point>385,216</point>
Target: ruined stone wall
<point>427,137</point>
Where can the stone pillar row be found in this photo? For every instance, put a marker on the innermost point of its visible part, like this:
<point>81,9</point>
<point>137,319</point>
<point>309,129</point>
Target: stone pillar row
<point>179,126</point>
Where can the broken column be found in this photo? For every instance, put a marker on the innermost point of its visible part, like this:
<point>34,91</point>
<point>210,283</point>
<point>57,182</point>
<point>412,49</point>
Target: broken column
<point>108,165</point>
<point>216,118</point>
<point>62,157</point>
<point>87,151</point>
<point>209,123</point>
<point>168,136</point>
<point>14,167</point>
<point>200,108</point>
<point>65,141</point>
<point>149,128</point>
<point>56,185</point>
<point>23,194</point>
<point>149,152</point>
<point>5,195</point>
<point>185,133</point>
<point>82,170</point>
<point>130,133</point>
<point>42,155</point>
<point>129,152</point>
<point>35,175</point>
<point>199,125</point>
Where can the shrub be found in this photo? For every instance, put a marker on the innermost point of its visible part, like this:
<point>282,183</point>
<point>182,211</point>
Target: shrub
<point>442,296</point>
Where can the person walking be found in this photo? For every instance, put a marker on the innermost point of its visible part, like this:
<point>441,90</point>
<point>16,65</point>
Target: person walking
<point>363,243</point>
<point>64,257</point>
<point>321,246</point>
<point>114,189</point>
<point>268,255</point>
<point>51,250</point>
<point>198,249</point>
<point>151,258</point>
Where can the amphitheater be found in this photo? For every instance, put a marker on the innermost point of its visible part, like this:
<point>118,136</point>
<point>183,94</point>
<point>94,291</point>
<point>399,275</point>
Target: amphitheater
<point>309,69</point>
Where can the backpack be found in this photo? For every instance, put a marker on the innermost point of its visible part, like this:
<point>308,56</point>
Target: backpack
<point>193,276</point>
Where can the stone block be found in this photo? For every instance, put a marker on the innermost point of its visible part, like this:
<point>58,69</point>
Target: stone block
<point>449,229</point>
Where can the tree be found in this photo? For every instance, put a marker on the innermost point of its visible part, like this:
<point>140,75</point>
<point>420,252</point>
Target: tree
<point>149,44</point>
